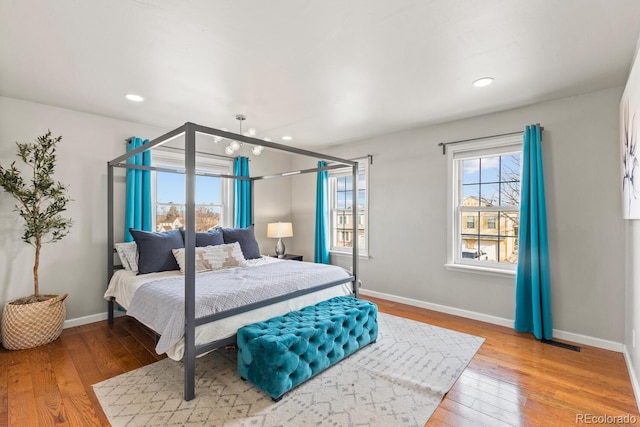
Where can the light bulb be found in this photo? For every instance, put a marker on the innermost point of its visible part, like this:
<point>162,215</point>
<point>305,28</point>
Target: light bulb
<point>228,150</point>
<point>267,139</point>
<point>252,131</point>
<point>485,81</point>
<point>235,145</point>
<point>217,138</point>
<point>133,97</point>
<point>257,150</point>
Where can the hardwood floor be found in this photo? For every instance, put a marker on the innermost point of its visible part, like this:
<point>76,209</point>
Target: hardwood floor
<point>512,381</point>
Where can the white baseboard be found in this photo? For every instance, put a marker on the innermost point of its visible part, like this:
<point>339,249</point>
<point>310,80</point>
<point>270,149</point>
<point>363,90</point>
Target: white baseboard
<point>508,323</point>
<point>632,375</point>
<point>79,321</point>
<point>563,335</point>
<point>441,308</point>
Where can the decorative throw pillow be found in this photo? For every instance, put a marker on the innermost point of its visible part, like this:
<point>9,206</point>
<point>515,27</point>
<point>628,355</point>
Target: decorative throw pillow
<point>224,256</point>
<point>128,254</point>
<point>155,250</point>
<point>208,238</point>
<point>246,238</point>
<point>201,264</point>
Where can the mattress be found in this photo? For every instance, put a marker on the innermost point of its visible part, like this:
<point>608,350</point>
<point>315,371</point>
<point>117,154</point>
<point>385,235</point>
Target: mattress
<point>157,299</point>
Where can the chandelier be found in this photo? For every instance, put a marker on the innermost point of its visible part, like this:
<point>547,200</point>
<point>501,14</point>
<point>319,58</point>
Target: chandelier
<point>235,146</point>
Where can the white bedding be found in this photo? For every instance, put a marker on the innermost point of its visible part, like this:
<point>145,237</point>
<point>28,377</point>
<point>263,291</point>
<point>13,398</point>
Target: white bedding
<point>159,304</point>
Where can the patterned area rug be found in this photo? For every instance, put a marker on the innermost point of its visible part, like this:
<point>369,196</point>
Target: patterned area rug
<point>397,381</point>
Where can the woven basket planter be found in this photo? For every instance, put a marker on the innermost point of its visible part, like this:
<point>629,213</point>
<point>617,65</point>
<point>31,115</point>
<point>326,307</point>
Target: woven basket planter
<point>32,325</point>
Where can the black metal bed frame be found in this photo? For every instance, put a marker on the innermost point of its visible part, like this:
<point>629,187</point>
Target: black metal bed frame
<point>189,131</point>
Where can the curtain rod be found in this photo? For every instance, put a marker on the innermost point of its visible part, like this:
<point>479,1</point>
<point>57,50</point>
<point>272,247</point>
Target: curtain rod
<point>444,144</point>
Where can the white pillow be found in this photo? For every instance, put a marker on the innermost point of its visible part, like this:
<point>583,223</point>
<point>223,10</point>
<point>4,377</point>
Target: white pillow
<point>201,265</point>
<point>128,254</point>
<point>214,257</point>
<point>224,256</point>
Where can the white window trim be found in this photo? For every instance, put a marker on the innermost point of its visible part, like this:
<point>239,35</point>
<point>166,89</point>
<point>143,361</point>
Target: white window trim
<point>461,151</point>
<point>205,163</point>
<point>363,166</point>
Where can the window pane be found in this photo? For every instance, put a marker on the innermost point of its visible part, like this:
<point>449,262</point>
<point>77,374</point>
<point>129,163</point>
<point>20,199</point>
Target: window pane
<point>510,167</point>
<point>490,169</point>
<point>208,217</point>
<point>509,250</point>
<point>471,171</point>
<point>348,182</point>
<point>503,249</point>
<point>470,195</point>
<point>169,216</point>
<point>348,199</point>
<point>489,194</point>
<point>510,193</point>
<point>169,188</point>
<point>362,182</point>
<point>469,246</point>
<point>509,223</point>
<point>208,190</point>
<point>362,198</point>
<point>341,200</point>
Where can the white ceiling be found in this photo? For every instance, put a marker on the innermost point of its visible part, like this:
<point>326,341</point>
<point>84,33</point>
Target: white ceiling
<point>324,72</point>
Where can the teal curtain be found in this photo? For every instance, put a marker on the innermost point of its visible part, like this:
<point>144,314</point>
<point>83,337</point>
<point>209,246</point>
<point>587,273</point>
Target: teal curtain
<point>533,288</point>
<point>138,210</point>
<point>242,193</point>
<point>321,253</point>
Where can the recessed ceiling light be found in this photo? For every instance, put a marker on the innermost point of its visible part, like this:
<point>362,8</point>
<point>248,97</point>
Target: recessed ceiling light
<point>485,81</point>
<point>287,138</point>
<point>133,97</point>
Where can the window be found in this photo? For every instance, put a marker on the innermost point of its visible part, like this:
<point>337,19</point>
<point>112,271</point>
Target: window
<point>341,190</point>
<point>214,203</point>
<point>485,204</point>
<point>471,221</point>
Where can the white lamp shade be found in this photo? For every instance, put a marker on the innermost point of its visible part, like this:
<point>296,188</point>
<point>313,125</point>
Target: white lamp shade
<point>279,229</point>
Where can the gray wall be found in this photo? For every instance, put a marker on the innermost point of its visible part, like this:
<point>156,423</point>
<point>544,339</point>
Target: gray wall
<point>408,215</point>
<point>632,279</point>
<point>76,265</point>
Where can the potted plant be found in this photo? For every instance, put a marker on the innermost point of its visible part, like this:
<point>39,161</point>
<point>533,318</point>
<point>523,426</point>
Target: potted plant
<point>37,319</point>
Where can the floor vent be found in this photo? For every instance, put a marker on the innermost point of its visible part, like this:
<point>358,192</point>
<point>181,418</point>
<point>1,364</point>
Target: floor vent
<point>561,344</point>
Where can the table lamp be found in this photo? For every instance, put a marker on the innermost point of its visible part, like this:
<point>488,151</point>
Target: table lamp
<point>278,230</point>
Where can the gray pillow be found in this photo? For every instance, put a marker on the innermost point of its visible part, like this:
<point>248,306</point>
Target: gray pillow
<point>208,238</point>
<point>246,238</point>
<point>154,250</point>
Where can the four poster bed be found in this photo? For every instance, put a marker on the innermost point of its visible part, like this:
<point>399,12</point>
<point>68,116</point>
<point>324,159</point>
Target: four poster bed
<point>196,311</point>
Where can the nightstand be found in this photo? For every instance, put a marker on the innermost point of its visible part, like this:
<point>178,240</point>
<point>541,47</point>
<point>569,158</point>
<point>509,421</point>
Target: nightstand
<point>290,256</point>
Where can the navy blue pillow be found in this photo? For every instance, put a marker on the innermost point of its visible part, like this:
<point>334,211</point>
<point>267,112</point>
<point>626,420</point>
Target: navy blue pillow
<point>154,250</point>
<point>208,238</point>
<point>246,238</point>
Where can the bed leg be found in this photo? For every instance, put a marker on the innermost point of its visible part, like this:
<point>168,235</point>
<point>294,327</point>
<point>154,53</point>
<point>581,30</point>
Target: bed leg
<point>110,311</point>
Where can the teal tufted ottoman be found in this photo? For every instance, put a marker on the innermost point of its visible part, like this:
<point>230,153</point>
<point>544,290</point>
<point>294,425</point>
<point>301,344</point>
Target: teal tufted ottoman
<point>282,352</point>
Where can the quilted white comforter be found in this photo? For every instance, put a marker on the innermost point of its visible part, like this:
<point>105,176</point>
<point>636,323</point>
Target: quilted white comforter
<point>159,303</point>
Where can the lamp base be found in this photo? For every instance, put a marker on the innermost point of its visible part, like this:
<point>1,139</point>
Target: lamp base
<point>280,249</point>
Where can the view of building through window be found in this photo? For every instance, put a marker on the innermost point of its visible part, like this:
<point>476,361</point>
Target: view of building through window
<point>170,202</point>
<point>489,208</point>
<point>342,213</point>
